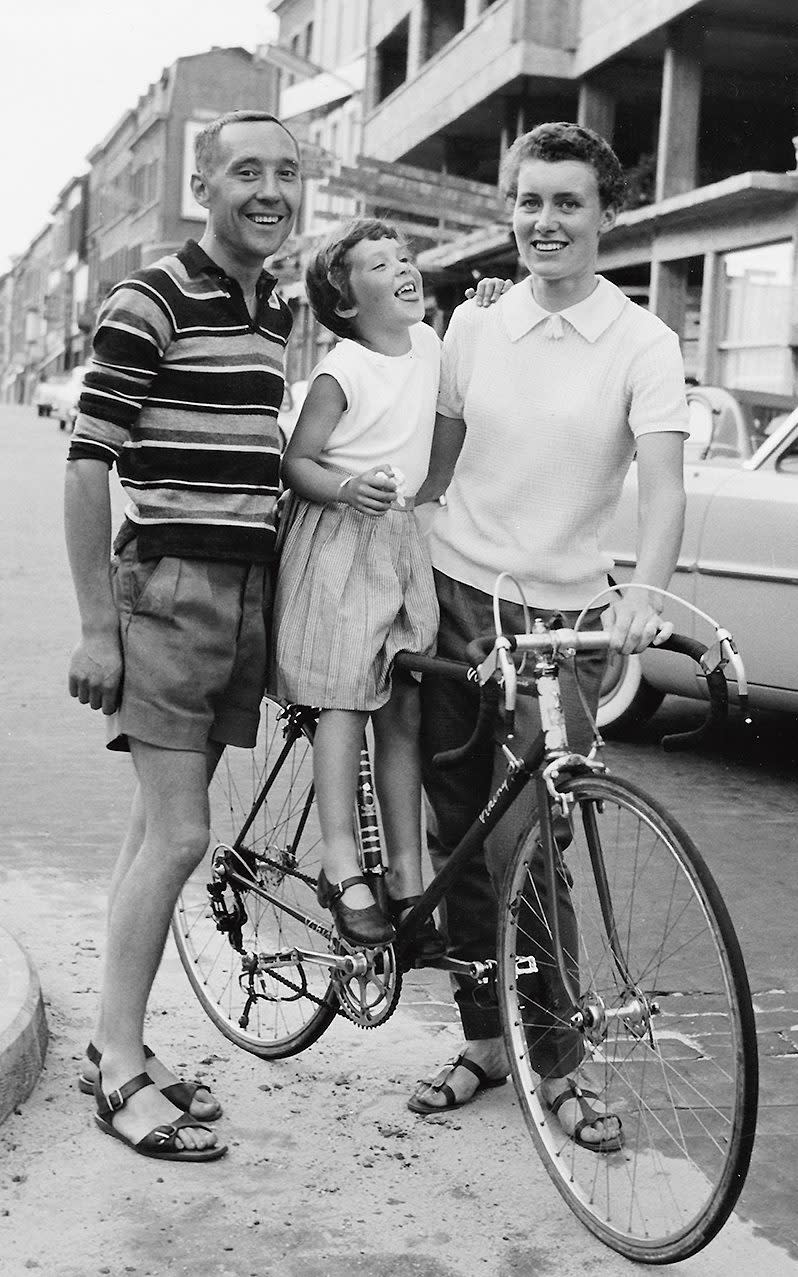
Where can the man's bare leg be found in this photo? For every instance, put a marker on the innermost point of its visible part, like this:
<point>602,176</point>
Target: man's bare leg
<point>174,798</point>
<point>203,1104</point>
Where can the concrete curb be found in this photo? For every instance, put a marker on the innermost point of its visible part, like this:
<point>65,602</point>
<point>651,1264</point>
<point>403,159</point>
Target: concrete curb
<point>23,1026</point>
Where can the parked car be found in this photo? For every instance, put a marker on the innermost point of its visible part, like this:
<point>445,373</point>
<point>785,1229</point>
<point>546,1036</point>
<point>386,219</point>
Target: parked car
<point>727,427</point>
<point>43,396</point>
<point>738,563</point>
<point>65,395</point>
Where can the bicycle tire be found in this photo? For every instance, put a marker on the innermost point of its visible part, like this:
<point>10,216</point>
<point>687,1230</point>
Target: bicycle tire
<point>684,1079</point>
<point>279,852</point>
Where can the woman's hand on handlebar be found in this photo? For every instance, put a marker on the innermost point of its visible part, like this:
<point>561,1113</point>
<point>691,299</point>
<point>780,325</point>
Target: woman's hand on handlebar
<point>634,623</point>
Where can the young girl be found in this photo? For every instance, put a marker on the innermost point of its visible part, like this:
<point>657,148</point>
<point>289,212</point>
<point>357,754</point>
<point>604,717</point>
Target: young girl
<point>355,583</point>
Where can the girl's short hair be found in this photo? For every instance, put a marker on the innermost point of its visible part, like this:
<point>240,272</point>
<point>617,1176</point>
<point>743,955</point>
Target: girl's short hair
<point>327,275</point>
<point>565,141</point>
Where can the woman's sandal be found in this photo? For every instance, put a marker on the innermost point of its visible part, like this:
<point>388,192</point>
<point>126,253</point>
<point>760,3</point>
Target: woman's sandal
<point>367,926</point>
<point>181,1094</point>
<point>428,944</point>
<point>162,1141</point>
<point>440,1084</point>
<point>590,1116</point>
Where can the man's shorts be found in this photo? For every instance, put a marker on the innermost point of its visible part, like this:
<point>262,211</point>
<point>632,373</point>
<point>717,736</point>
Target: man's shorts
<point>195,642</point>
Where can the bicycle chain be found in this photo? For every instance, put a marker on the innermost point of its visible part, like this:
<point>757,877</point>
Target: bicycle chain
<point>305,992</point>
<point>320,1002</point>
<point>265,862</point>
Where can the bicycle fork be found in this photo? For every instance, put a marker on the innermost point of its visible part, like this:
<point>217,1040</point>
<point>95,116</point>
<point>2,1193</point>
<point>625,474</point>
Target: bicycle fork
<point>588,1012</point>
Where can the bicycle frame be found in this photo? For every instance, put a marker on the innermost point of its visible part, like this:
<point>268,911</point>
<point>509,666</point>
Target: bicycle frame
<point>548,750</point>
<point>640,987</point>
<point>521,772</point>
<point>547,757</point>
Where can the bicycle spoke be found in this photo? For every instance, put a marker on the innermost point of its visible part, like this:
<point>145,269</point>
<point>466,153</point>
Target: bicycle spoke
<point>263,817</point>
<point>667,1039</point>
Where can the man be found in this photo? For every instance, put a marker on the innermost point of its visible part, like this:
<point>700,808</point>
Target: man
<point>182,396</point>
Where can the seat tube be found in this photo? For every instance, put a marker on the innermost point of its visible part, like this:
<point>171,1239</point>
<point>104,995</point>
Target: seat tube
<point>368,830</point>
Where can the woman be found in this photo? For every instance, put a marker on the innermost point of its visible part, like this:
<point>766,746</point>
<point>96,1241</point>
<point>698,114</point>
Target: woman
<point>544,400</point>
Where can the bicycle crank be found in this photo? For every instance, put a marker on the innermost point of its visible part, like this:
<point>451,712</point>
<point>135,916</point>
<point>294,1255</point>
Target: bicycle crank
<point>369,986</point>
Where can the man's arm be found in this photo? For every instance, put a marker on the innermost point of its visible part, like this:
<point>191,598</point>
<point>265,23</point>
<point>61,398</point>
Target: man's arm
<point>95,671</point>
<point>634,620</point>
<point>132,334</point>
<point>447,443</point>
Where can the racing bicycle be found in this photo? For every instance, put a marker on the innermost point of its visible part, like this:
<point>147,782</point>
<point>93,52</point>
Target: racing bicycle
<point>656,992</point>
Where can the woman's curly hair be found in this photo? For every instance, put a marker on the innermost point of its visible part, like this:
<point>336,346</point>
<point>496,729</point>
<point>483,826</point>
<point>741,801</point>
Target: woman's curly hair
<point>565,141</point>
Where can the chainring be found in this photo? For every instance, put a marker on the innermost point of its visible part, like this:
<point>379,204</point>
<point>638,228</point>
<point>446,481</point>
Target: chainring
<point>370,998</point>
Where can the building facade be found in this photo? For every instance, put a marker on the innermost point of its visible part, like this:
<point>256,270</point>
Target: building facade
<point>406,107</point>
<point>68,322</point>
<point>321,57</point>
<point>699,99</point>
<point>28,319</point>
<point>140,198</point>
<point>133,205</point>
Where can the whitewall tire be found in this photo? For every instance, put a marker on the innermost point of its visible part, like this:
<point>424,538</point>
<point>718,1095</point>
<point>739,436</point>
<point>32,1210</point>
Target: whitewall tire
<point>627,701</point>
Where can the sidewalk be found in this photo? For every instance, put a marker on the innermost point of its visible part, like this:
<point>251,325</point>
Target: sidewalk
<point>23,1026</point>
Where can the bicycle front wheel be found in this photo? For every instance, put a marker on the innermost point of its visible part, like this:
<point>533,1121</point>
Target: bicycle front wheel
<point>250,935</point>
<point>662,1023</point>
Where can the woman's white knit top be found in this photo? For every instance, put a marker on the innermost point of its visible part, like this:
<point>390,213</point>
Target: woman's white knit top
<point>552,405</point>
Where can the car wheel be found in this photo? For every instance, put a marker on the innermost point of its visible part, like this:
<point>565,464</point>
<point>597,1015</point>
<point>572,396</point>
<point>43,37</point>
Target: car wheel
<point>626,700</point>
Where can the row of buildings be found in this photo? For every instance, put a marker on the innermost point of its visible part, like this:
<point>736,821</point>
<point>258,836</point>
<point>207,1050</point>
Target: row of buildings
<point>405,108</point>
<point>132,204</point>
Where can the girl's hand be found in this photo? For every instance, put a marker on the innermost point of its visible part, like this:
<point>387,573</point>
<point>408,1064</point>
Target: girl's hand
<point>489,291</point>
<point>371,493</point>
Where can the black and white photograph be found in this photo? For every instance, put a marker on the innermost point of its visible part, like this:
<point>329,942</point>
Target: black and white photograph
<point>398,617</point>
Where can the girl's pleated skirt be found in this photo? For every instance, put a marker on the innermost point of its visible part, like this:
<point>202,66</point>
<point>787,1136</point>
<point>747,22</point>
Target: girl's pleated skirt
<point>352,591</point>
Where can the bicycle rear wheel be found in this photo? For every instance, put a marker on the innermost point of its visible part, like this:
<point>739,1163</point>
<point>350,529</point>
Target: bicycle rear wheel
<point>264,838</point>
<point>667,1038</point>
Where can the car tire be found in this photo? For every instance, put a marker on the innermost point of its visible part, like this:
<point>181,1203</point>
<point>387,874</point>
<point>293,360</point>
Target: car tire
<point>626,700</point>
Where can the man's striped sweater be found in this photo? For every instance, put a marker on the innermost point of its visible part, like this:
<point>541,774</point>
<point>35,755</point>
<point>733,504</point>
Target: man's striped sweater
<point>182,395</point>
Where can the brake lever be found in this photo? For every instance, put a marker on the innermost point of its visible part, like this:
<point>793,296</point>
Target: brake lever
<point>498,659</point>
<point>722,652</point>
<point>510,678</point>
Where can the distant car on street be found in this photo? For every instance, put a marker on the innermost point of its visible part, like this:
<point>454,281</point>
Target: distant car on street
<point>65,394</point>
<point>43,396</point>
<point>738,561</point>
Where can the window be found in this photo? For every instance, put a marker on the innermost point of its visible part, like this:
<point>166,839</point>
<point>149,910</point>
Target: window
<point>392,60</point>
<point>442,21</point>
<point>755,318</point>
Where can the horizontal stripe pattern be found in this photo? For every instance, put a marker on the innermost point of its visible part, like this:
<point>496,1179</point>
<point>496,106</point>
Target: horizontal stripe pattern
<point>182,395</point>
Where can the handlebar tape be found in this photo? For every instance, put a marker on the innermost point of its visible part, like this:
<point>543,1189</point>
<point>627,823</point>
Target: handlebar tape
<point>718,695</point>
<point>482,733</point>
